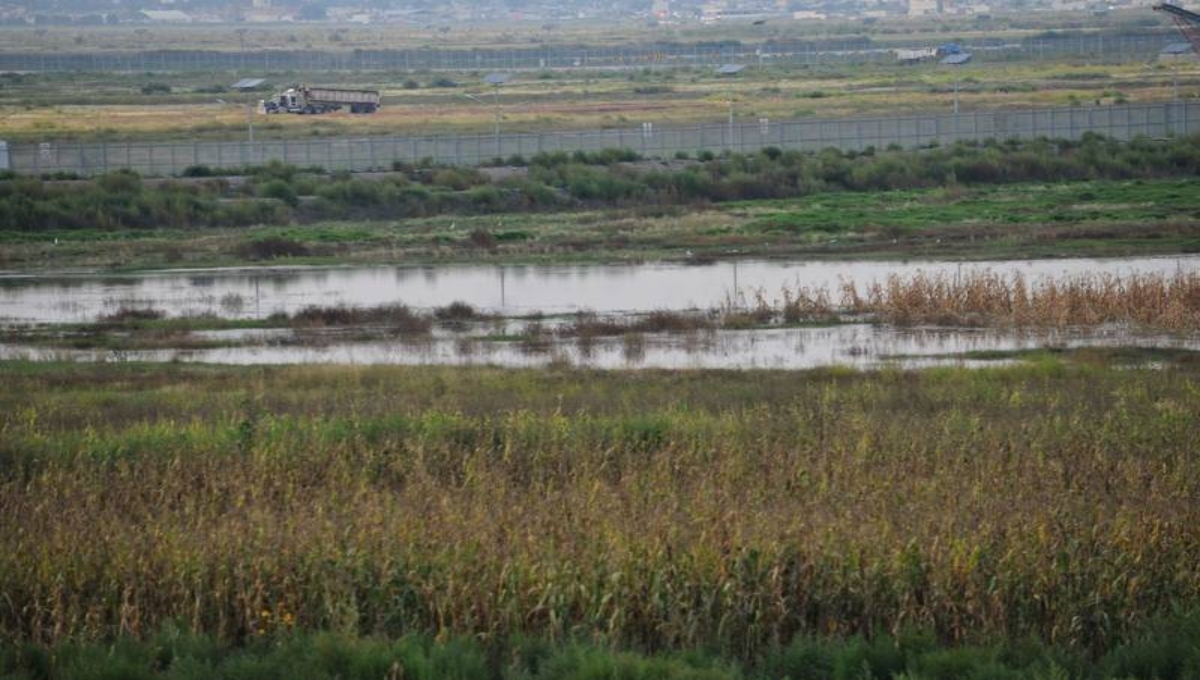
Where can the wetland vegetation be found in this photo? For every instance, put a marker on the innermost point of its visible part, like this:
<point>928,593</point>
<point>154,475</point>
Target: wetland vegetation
<point>1039,519</point>
<point>1027,521</point>
<point>977,299</point>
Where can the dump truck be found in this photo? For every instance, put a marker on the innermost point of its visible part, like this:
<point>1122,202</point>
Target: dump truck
<point>305,99</point>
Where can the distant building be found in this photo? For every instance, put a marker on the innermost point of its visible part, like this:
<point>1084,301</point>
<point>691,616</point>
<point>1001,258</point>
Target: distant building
<point>918,8</point>
<point>269,16</point>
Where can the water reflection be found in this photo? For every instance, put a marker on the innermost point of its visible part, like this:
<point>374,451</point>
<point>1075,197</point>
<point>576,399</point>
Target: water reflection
<point>859,345</point>
<point>509,290</point>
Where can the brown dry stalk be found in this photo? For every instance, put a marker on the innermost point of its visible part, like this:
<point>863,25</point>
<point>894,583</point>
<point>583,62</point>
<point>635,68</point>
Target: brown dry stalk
<point>1159,301</point>
<point>971,504</point>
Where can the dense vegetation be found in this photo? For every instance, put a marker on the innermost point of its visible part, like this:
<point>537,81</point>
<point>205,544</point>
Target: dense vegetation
<point>726,512</point>
<point>280,194</point>
<point>1170,648</point>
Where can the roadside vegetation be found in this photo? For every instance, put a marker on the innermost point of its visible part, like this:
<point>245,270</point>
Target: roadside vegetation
<point>1031,521</point>
<point>979,199</point>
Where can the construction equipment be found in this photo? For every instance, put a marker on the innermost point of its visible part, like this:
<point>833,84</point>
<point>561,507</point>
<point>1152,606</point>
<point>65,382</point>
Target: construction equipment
<point>1188,22</point>
<point>305,99</point>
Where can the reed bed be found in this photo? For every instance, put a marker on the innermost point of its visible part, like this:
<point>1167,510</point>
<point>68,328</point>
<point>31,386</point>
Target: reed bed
<point>655,511</point>
<point>589,325</point>
<point>397,317</point>
<point>982,298</point>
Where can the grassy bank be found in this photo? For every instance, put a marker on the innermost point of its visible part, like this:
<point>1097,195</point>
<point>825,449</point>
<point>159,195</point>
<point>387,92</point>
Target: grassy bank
<point>730,512</point>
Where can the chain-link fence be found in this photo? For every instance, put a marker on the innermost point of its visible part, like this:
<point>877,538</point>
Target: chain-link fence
<point>1122,122</point>
<point>1097,48</point>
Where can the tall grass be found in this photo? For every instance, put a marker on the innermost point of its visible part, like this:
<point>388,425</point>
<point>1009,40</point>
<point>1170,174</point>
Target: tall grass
<point>985,298</point>
<point>723,511</point>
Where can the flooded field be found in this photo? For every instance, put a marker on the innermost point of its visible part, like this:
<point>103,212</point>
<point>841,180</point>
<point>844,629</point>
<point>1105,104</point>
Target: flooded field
<point>857,345</point>
<point>527,315</point>
<point>507,290</point>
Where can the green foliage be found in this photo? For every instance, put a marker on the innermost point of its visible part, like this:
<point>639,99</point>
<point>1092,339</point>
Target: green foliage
<point>1169,649</point>
<point>119,200</point>
<point>175,653</point>
<point>156,88</point>
<point>198,171</point>
<point>280,190</point>
<point>606,178</point>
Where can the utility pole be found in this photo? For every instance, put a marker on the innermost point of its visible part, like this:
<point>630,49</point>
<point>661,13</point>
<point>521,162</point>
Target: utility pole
<point>496,90</point>
<point>496,80</point>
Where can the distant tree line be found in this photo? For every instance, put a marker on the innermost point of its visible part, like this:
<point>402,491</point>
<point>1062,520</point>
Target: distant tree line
<point>280,194</point>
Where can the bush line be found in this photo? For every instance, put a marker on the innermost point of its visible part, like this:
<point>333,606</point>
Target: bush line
<point>280,194</point>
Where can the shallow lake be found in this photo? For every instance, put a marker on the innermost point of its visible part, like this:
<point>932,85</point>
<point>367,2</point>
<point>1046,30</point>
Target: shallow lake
<point>508,290</point>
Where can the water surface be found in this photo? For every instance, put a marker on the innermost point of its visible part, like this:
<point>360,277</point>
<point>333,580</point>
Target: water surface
<point>855,345</point>
<point>507,290</point>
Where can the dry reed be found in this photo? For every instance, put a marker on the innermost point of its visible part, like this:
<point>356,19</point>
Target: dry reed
<point>654,511</point>
<point>983,298</point>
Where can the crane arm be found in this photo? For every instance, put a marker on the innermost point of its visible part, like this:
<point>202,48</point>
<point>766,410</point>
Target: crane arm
<point>1187,21</point>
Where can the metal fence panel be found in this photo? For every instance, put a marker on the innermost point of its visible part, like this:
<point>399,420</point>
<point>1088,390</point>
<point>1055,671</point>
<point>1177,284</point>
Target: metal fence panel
<point>1122,122</point>
<point>1099,48</point>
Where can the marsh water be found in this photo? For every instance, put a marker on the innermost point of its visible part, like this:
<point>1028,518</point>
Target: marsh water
<point>507,290</point>
<point>515,290</point>
<point>857,345</point>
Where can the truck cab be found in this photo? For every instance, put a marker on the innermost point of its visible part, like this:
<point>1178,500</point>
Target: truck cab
<point>290,100</point>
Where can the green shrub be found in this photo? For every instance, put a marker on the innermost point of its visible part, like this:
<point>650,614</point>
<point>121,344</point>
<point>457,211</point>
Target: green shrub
<point>156,88</point>
<point>119,182</point>
<point>803,659</point>
<point>280,190</point>
<point>198,171</point>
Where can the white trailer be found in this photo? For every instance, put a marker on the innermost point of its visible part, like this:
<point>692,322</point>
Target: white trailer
<point>915,56</point>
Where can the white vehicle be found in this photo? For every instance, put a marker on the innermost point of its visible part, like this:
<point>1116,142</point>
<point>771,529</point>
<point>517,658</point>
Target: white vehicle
<point>305,99</point>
